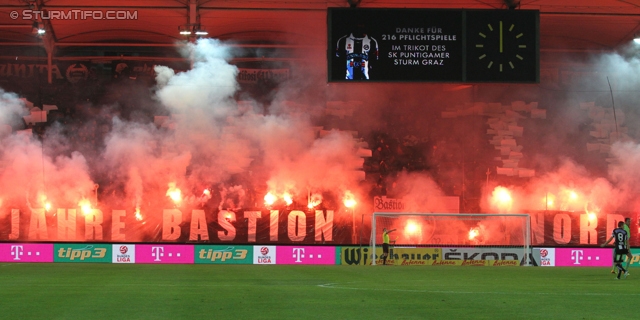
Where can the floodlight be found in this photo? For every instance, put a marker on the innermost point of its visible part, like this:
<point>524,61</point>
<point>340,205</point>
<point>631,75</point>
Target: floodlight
<point>37,28</point>
<point>185,31</point>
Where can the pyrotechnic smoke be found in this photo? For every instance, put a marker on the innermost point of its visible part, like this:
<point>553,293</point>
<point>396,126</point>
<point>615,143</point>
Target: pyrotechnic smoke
<point>12,108</point>
<point>209,140</point>
<point>586,154</point>
<point>420,193</point>
<point>32,173</point>
<point>206,140</point>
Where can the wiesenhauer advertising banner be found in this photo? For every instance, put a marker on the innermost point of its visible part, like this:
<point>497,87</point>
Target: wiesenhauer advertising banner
<point>476,263</point>
<point>84,252</point>
<point>306,255</point>
<point>26,252</point>
<point>229,254</point>
<point>160,254</point>
<point>124,253</point>
<point>584,257</point>
<point>361,256</point>
<point>397,256</point>
<point>416,256</point>
<point>356,256</point>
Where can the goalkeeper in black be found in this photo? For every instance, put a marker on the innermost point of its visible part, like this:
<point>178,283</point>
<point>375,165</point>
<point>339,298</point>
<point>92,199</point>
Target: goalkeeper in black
<point>620,236</point>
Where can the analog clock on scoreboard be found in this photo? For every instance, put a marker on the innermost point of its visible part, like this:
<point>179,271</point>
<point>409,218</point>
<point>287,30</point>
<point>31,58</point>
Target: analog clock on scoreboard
<point>502,46</point>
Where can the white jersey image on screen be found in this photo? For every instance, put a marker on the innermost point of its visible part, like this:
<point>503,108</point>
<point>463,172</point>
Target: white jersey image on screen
<point>358,52</point>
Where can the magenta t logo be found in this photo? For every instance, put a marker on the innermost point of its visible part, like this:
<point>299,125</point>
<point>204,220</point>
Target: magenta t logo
<point>298,253</point>
<point>577,256</point>
<point>157,252</point>
<point>16,252</point>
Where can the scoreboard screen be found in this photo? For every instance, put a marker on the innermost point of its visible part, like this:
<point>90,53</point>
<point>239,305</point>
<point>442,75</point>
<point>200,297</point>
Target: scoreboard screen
<point>438,45</point>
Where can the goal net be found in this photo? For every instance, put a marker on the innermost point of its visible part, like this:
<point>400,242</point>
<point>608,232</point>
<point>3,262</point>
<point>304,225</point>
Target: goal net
<point>461,236</point>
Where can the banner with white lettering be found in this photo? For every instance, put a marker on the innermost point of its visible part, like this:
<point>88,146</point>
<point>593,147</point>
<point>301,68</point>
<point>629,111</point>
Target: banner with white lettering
<point>277,227</point>
<point>563,228</point>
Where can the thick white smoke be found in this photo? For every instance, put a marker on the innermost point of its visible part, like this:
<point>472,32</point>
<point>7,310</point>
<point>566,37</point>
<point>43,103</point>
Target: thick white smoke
<point>32,174</point>
<point>209,140</point>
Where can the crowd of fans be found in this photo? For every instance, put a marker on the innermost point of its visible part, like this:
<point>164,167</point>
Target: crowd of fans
<point>404,143</point>
<point>390,156</point>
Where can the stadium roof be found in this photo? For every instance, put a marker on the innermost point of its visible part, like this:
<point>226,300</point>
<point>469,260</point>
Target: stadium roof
<point>566,25</point>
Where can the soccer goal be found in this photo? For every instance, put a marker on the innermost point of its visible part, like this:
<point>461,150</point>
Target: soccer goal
<point>512,232</point>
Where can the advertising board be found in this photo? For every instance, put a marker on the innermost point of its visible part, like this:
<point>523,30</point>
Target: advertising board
<point>226,254</point>
<point>160,254</point>
<point>264,254</point>
<point>83,252</point>
<point>306,255</point>
<point>26,252</point>
<point>124,253</point>
<point>584,257</point>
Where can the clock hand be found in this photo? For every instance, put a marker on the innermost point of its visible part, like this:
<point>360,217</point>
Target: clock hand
<point>500,36</point>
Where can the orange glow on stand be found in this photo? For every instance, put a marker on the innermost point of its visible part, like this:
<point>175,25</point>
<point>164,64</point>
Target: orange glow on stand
<point>174,193</point>
<point>473,233</point>
<point>85,206</point>
<point>287,198</point>
<point>502,199</point>
<point>269,199</point>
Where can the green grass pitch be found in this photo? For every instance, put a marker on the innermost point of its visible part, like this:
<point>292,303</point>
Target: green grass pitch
<point>120,291</point>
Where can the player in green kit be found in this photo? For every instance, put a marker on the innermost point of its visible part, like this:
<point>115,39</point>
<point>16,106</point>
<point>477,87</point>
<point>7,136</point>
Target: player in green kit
<point>385,244</point>
<point>627,224</point>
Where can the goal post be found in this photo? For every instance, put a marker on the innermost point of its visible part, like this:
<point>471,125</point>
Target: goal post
<point>453,230</point>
